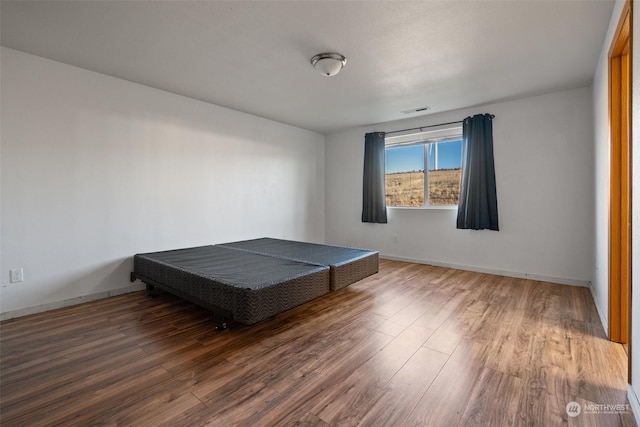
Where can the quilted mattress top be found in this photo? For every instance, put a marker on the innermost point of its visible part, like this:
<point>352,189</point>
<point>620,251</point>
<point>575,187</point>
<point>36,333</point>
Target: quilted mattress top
<point>233,267</point>
<point>302,251</point>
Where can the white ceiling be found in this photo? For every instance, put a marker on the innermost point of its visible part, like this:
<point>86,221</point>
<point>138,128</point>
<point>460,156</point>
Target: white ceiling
<point>253,56</point>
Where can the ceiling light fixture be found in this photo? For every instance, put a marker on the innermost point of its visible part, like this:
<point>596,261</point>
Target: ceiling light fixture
<point>329,63</point>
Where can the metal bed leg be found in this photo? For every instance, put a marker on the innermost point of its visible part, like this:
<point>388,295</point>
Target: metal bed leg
<point>151,291</point>
<point>221,324</point>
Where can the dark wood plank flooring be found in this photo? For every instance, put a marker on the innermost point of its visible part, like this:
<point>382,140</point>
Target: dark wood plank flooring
<point>414,345</point>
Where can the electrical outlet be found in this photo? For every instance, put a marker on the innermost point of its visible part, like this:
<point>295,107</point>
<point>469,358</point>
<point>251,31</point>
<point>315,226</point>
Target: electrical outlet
<point>16,275</point>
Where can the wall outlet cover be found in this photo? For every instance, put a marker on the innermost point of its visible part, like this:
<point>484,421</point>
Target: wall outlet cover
<point>16,275</point>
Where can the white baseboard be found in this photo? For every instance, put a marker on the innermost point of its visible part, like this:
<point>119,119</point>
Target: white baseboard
<point>634,403</point>
<point>541,278</point>
<point>69,302</point>
<point>601,313</point>
<point>79,300</point>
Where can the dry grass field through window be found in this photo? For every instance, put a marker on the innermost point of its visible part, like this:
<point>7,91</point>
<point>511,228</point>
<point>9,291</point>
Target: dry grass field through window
<point>407,188</point>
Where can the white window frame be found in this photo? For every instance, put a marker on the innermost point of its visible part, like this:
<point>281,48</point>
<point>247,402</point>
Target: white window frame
<point>447,133</point>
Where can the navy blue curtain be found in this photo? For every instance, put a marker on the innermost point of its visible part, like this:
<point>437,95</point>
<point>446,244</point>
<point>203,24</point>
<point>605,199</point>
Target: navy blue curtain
<point>374,202</point>
<point>478,204</point>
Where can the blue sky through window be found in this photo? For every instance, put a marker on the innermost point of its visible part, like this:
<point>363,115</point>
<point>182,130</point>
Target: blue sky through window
<point>404,159</point>
<point>411,158</point>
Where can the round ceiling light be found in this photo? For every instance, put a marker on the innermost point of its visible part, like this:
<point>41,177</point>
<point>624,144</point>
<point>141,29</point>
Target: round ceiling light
<point>328,64</point>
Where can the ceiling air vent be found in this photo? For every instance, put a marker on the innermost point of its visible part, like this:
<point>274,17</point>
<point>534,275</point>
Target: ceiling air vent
<point>415,110</point>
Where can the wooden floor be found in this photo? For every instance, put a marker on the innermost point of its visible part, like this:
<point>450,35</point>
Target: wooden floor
<point>413,345</point>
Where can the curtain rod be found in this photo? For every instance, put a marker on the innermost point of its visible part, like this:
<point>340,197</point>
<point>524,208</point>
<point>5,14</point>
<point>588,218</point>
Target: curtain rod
<point>430,126</point>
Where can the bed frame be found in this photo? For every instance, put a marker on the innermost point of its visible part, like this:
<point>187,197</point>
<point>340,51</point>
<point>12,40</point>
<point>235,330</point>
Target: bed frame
<point>248,286</point>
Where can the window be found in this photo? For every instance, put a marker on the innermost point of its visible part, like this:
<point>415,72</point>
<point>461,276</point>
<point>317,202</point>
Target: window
<point>409,183</point>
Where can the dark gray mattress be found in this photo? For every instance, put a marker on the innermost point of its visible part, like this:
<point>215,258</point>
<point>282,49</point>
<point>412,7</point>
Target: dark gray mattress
<point>348,265</point>
<point>245,286</point>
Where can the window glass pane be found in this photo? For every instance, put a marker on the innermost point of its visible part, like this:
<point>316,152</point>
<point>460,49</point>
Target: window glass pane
<point>404,178</point>
<point>445,165</point>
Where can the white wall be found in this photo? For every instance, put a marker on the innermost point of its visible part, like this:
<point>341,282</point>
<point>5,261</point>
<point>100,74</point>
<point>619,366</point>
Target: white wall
<point>96,169</point>
<point>544,162</point>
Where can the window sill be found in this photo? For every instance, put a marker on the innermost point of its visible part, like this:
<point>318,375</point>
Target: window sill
<point>426,208</point>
